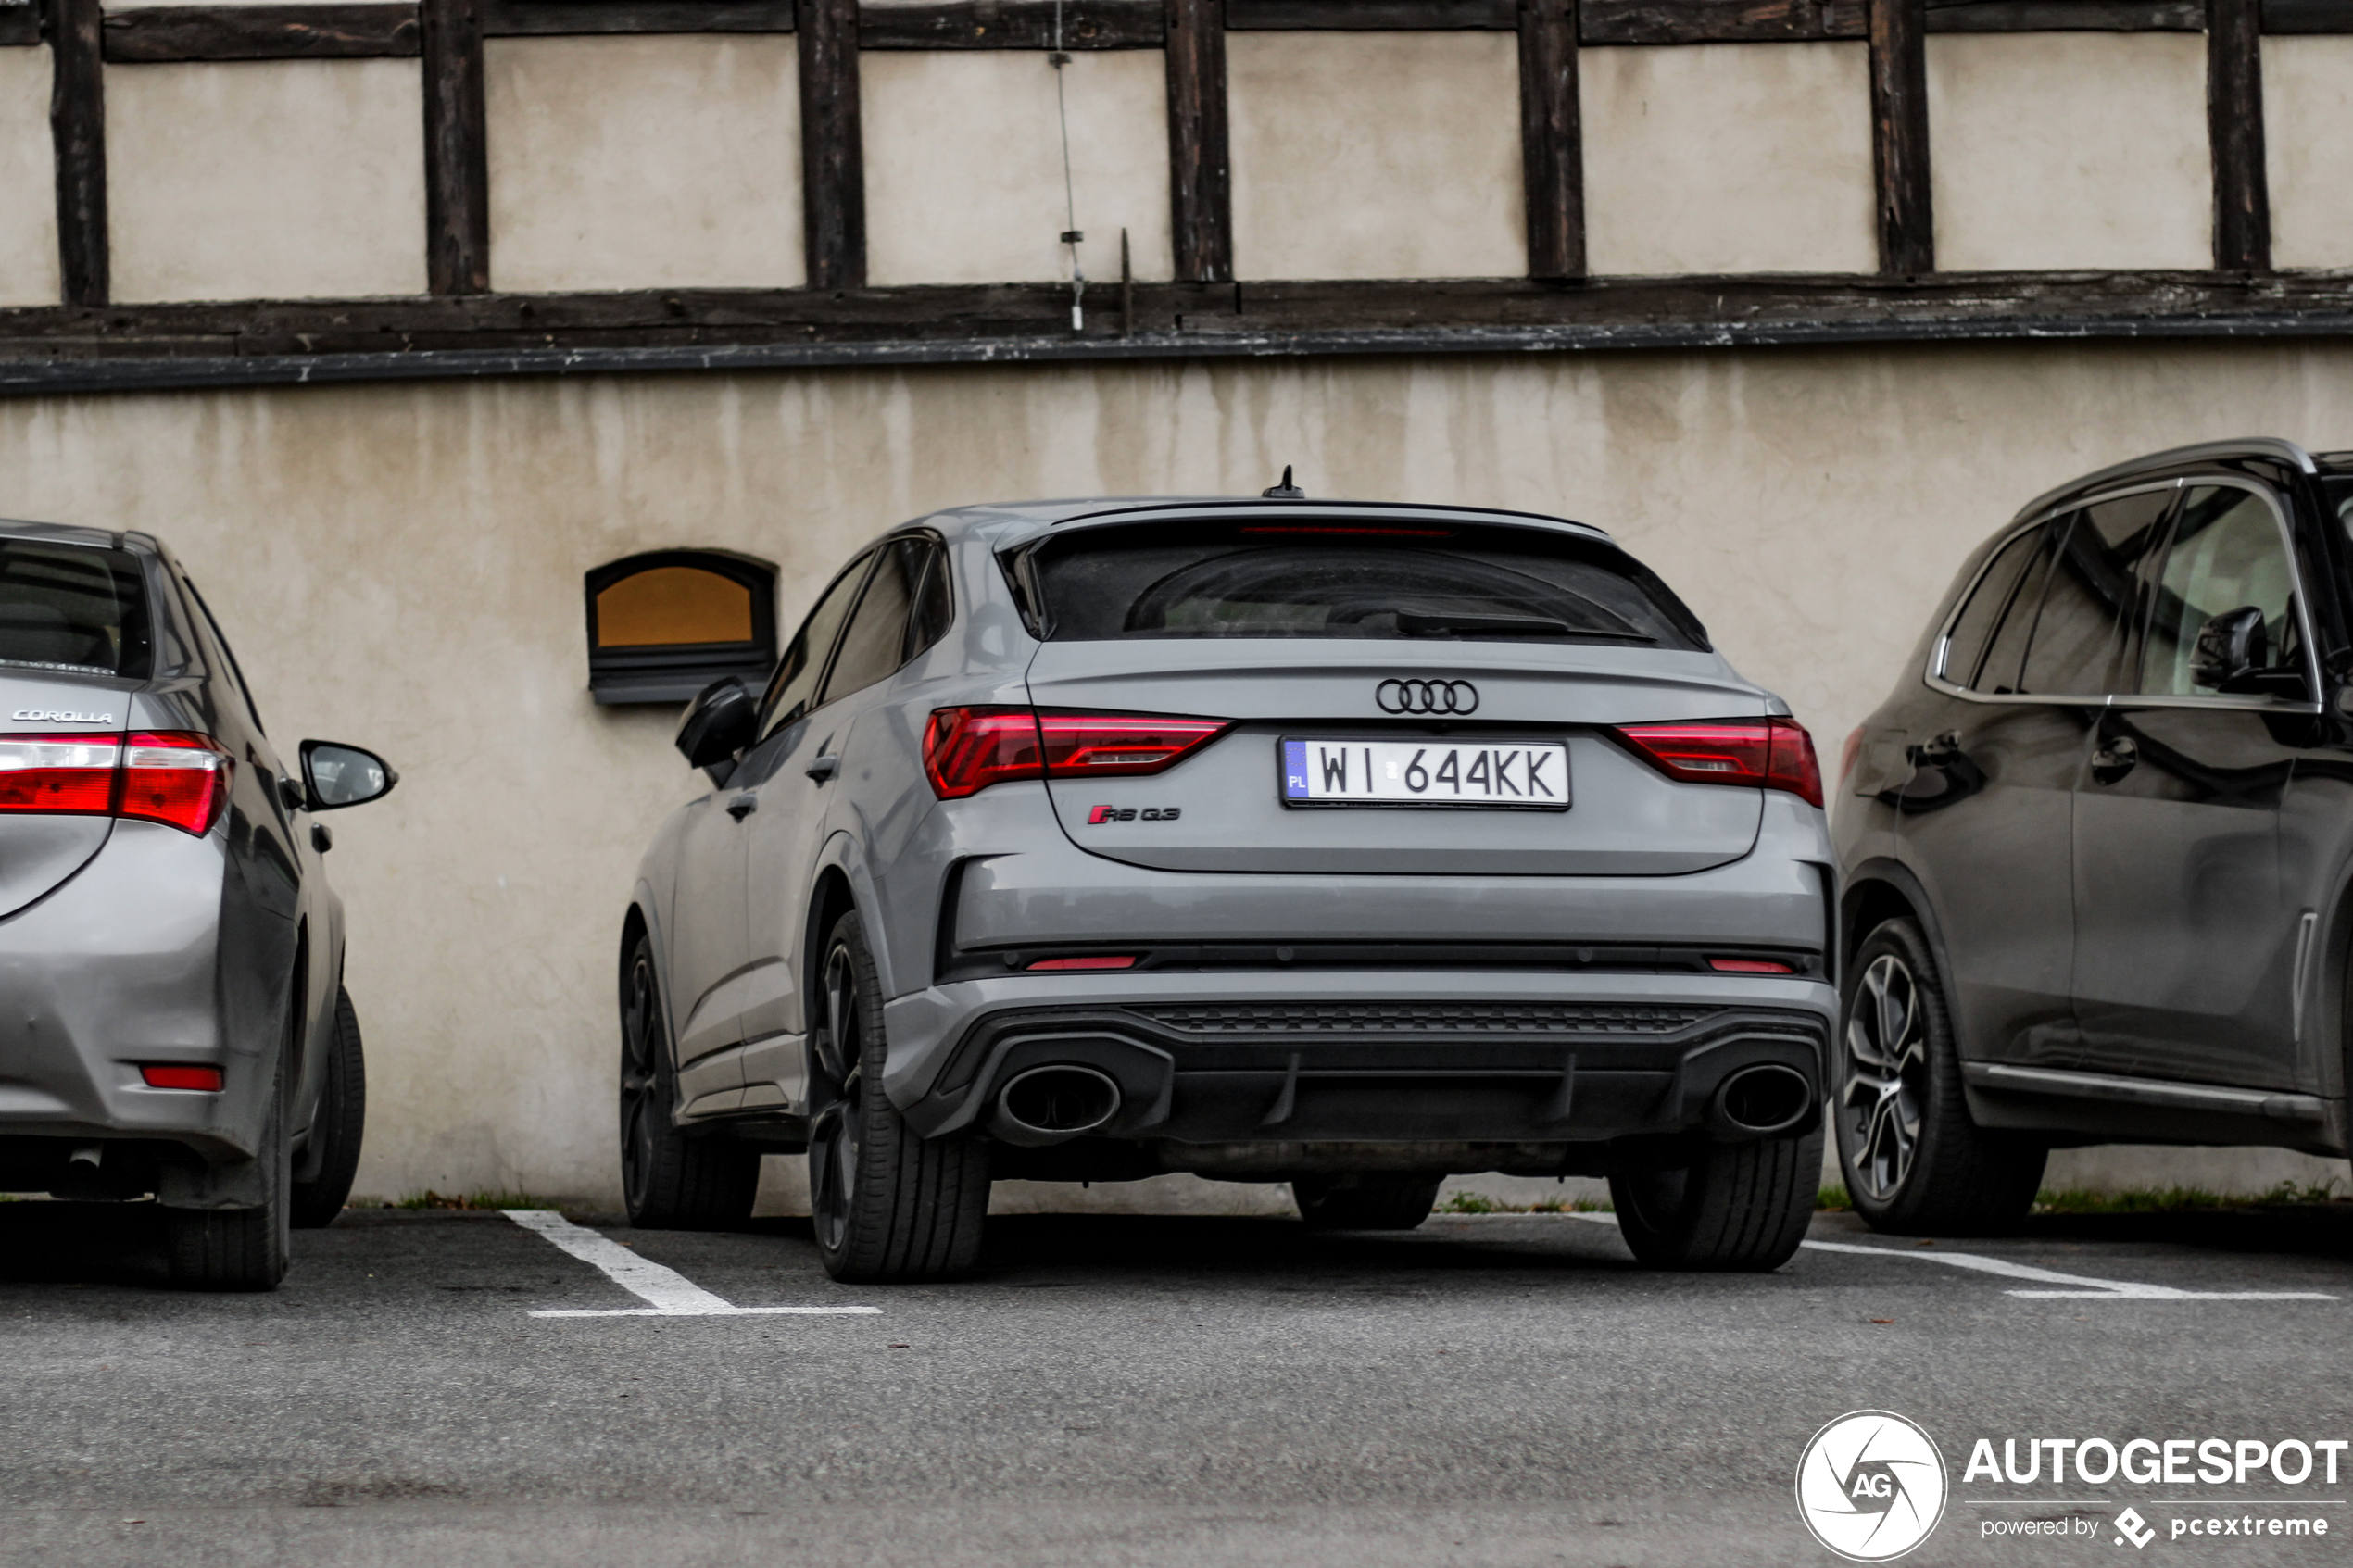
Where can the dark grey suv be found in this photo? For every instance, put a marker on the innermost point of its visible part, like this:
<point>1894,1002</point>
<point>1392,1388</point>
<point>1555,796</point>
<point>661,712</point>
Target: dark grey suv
<point>2097,842</point>
<point>1270,839</point>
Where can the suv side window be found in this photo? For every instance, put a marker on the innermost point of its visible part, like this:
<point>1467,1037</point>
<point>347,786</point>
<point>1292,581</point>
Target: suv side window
<point>2007,648</point>
<point>1974,628</point>
<point>875,645</point>
<point>2227,552</point>
<point>791,689</point>
<point>2076,635</point>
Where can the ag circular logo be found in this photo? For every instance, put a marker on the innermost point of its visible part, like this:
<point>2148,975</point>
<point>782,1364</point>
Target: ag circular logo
<point>1427,696</point>
<point>1870,1486</point>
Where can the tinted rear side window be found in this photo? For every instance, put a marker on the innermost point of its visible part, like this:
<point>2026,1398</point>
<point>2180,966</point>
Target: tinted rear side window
<point>73,607</point>
<point>1409,581</point>
<point>1965,644</point>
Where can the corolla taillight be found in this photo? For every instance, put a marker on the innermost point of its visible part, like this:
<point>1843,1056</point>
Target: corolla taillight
<point>175,777</point>
<point>1759,753</point>
<point>966,750</point>
<point>57,774</point>
<point>172,776</point>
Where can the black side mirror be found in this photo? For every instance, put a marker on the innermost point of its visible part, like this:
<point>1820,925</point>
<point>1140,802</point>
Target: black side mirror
<point>718,725</point>
<point>334,775</point>
<point>2230,646</point>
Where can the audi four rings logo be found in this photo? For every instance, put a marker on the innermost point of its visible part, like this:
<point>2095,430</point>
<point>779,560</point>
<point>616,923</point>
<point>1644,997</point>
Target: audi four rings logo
<point>1427,696</point>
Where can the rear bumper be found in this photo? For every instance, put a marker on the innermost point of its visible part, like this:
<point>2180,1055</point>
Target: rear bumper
<point>118,968</point>
<point>1256,1058</point>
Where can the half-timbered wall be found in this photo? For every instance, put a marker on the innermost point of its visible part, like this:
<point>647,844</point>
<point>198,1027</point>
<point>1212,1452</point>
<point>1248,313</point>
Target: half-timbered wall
<point>28,180</point>
<point>2307,104</point>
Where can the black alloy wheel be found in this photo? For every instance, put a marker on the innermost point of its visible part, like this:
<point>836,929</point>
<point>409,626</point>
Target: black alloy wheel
<point>1916,1162</point>
<point>669,1179</point>
<point>885,1204</point>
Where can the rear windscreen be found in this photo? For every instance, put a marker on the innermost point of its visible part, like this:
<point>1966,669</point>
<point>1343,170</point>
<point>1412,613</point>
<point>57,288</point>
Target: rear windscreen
<point>1261,579</point>
<point>72,608</point>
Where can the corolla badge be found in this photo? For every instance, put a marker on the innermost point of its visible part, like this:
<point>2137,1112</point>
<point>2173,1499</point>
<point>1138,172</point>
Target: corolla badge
<point>60,716</point>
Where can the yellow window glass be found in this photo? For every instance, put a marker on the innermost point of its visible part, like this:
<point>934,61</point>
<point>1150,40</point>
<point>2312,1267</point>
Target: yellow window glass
<point>672,604</point>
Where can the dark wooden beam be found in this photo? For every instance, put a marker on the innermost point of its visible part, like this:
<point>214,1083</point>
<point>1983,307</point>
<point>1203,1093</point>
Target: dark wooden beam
<point>1720,21</point>
<point>19,24</point>
<point>456,149</point>
<point>1371,16</point>
<point>78,131</point>
<point>2308,16</point>
<point>1013,24</point>
<point>2065,16</point>
<point>1551,139</point>
<point>262,33</point>
<point>2234,130</point>
<point>1201,182</point>
<point>1899,136</point>
<point>541,18</point>
<point>833,164</point>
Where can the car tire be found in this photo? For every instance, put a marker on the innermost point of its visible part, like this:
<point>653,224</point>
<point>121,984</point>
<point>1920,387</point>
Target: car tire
<point>1915,1163</point>
<point>1365,1203</point>
<point>240,1249</point>
<point>1739,1207</point>
<point>887,1205</point>
<point>335,1131</point>
<point>670,1179</point>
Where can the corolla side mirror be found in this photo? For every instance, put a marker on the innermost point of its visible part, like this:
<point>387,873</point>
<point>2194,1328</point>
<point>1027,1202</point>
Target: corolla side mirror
<point>718,725</point>
<point>2230,646</point>
<point>334,775</point>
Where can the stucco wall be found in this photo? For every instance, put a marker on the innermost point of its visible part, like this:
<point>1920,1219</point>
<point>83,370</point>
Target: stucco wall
<point>266,180</point>
<point>1376,155</point>
<point>399,566</point>
<point>28,180</point>
<point>965,164</point>
<point>645,162</point>
<point>2070,149</point>
<point>1729,157</point>
<point>2308,137</point>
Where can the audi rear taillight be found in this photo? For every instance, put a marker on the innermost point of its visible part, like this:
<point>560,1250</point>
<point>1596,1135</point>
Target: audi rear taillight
<point>1758,753</point>
<point>966,750</point>
<point>170,776</point>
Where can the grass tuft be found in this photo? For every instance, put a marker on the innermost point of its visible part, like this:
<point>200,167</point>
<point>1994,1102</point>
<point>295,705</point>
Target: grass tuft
<point>1478,1203</point>
<point>1831,1200</point>
<point>431,1199</point>
<point>2180,1200</point>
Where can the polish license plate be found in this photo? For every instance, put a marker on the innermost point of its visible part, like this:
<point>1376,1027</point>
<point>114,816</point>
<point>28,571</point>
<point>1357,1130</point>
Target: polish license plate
<point>1513,775</point>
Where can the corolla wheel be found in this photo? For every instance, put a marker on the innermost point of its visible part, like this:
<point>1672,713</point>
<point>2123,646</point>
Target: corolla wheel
<point>837,1089</point>
<point>1883,1102</point>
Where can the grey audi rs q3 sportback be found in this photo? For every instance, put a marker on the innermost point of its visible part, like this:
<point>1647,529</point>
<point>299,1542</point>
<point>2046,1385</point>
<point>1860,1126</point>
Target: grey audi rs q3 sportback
<point>1337,843</point>
<point>2098,842</point>
<point>170,954</point>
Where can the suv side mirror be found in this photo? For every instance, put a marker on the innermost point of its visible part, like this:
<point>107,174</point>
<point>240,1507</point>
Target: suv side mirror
<point>718,725</point>
<point>334,775</point>
<point>2230,646</point>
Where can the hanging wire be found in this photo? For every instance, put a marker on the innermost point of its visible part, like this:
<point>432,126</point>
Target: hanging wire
<point>1059,58</point>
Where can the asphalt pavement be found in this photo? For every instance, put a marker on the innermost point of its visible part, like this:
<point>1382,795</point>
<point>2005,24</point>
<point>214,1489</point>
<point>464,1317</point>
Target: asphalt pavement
<point>1112,1390</point>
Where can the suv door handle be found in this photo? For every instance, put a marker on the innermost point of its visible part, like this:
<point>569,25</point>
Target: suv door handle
<point>2115,759</point>
<point>744,804</point>
<point>823,768</point>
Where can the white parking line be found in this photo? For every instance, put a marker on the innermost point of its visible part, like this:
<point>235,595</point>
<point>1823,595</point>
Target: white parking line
<point>673,1295</point>
<point>2098,1290</point>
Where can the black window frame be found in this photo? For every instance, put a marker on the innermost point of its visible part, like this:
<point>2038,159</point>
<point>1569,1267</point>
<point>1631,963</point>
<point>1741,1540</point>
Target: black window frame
<point>675,671</point>
<point>861,567</point>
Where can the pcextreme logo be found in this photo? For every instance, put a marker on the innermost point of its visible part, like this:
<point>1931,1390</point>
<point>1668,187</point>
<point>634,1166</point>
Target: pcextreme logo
<point>1871,1486</point>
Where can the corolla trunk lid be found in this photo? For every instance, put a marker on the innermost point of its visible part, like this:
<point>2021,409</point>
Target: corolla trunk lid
<point>1423,705</point>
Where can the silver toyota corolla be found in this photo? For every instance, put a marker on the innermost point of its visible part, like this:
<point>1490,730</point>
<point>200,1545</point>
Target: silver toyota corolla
<point>1344,845</point>
<point>170,954</point>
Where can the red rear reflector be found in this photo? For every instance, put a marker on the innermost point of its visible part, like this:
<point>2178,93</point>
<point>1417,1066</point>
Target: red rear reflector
<point>205,1078</point>
<point>67,774</point>
<point>1126,961</point>
<point>966,750</point>
<point>1759,753</point>
<point>1750,966</point>
<point>176,778</point>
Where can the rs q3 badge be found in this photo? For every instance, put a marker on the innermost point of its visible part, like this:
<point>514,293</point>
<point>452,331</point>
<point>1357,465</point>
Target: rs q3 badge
<point>1130,814</point>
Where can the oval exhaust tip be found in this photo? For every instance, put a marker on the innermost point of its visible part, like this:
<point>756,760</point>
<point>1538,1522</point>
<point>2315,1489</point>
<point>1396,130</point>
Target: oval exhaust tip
<point>1764,1099</point>
<point>1047,1105</point>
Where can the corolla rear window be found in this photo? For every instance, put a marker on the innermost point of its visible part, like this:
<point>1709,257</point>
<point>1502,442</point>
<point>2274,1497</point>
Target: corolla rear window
<point>1278,578</point>
<point>74,607</point>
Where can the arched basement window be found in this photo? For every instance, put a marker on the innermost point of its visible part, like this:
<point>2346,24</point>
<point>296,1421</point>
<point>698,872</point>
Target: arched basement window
<point>663,625</point>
